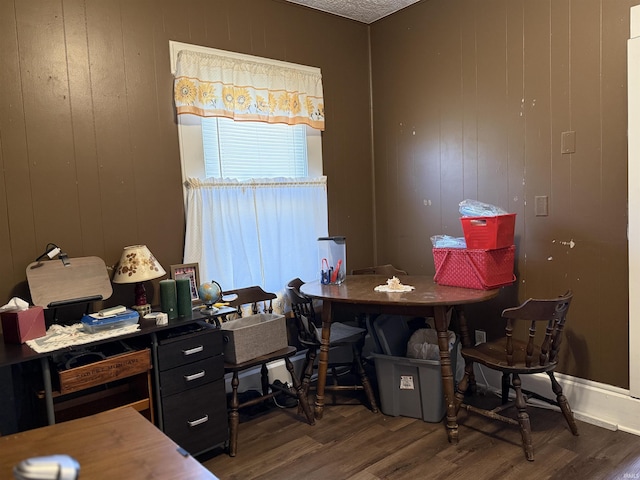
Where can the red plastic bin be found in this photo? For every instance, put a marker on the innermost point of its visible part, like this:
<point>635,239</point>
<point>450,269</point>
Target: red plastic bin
<point>479,269</point>
<point>489,233</point>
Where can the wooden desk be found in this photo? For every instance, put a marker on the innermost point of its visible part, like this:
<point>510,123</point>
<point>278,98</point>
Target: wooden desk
<point>114,444</point>
<point>11,354</point>
<point>204,396</point>
<point>428,299</point>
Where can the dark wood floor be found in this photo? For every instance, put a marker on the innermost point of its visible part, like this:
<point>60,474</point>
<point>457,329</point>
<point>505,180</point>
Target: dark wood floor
<point>352,443</point>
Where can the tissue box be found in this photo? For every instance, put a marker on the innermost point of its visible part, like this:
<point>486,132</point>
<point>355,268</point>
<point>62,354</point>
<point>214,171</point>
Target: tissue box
<point>18,326</point>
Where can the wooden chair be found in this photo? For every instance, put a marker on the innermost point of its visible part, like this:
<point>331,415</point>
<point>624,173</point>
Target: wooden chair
<point>387,269</point>
<point>341,335</point>
<point>260,301</point>
<point>514,357</point>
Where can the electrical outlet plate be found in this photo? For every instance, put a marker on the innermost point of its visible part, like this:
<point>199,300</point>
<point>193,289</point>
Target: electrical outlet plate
<point>481,336</point>
<point>542,206</point>
<point>568,142</point>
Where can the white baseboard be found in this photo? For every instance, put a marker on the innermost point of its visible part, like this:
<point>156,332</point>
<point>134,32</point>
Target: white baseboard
<point>596,403</point>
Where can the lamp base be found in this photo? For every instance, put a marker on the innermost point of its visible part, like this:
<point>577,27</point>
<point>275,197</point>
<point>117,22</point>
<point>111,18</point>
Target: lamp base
<point>142,309</point>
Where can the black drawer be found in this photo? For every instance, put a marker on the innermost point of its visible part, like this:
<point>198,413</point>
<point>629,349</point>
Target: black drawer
<point>192,375</point>
<point>197,419</point>
<point>179,351</point>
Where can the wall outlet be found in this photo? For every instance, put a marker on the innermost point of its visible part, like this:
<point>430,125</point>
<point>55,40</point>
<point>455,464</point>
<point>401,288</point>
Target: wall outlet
<point>542,206</point>
<point>481,336</point>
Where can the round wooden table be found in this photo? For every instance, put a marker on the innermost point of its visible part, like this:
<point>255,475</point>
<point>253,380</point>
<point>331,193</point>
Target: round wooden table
<point>358,294</point>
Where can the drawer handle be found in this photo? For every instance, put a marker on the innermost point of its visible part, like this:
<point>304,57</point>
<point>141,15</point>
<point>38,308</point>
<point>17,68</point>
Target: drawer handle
<point>194,376</point>
<point>193,350</point>
<point>200,421</point>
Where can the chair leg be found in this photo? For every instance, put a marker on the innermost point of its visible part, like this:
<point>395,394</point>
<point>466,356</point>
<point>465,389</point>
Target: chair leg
<point>462,387</point>
<point>506,384</point>
<point>523,418</point>
<point>303,400</point>
<point>466,342</point>
<point>334,383</point>
<point>307,371</point>
<point>364,379</point>
<point>472,387</point>
<point>563,403</point>
<point>234,416</point>
<point>264,379</point>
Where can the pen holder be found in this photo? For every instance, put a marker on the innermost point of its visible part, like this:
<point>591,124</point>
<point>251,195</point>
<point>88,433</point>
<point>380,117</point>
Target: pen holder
<point>332,253</point>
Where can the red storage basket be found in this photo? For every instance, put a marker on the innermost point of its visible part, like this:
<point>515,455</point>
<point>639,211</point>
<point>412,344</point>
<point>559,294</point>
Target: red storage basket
<point>489,233</point>
<point>479,269</point>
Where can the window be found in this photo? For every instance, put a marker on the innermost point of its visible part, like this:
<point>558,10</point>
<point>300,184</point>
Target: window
<point>240,230</point>
<point>245,150</point>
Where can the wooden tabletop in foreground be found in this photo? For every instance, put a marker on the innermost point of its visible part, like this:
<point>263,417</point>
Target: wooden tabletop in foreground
<point>113,444</point>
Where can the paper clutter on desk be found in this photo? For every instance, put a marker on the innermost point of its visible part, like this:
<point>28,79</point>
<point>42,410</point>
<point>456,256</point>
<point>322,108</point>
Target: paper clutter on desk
<point>15,304</point>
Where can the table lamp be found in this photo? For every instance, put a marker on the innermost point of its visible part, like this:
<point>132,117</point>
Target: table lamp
<point>137,265</point>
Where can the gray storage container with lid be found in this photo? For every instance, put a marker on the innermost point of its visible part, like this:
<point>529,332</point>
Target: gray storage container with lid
<point>408,387</point>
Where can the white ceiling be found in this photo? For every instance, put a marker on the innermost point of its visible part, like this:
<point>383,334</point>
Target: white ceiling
<point>365,11</point>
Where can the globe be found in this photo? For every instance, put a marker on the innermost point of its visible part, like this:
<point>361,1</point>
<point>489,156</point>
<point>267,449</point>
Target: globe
<point>210,293</point>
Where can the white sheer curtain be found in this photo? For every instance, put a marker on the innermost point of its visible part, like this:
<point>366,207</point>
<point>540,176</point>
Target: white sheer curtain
<point>255,232</point>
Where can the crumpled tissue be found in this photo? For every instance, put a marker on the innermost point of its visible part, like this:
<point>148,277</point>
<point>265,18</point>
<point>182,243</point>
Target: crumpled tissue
<point>15,304</point>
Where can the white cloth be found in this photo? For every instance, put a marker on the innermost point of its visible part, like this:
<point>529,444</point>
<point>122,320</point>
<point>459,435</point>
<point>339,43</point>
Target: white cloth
<point>62,336</point>
<point>255,232</point>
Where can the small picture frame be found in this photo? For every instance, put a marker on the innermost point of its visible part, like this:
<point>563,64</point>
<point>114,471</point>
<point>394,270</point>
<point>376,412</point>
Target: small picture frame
<point>190,271</point>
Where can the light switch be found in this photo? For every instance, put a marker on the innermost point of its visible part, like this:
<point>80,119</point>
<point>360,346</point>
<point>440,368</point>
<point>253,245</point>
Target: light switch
<point>542,206</point>
<point>568,142</point>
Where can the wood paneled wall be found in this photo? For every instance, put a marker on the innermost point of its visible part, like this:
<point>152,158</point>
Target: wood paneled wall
<point>89,156</point>
<point>470,98</point>
<point>470,101</point>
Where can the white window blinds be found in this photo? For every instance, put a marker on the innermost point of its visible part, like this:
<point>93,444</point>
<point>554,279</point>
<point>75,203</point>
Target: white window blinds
<point>245,150</point>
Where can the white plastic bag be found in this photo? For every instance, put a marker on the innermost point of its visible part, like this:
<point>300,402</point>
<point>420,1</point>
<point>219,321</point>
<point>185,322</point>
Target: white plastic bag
<point>423,344</point>
<point>474,208</point>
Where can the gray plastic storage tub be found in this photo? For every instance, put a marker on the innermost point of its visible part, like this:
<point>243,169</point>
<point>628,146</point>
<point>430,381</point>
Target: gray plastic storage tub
<point>410,387</point>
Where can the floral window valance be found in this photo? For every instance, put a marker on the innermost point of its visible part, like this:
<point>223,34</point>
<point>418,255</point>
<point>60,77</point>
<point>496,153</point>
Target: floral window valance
<point>210,85</point>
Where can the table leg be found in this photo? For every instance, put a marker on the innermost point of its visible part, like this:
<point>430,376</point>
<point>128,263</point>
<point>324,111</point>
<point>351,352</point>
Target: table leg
<point>323,357</point>
<point>48,390</point>
<point>442,327</point>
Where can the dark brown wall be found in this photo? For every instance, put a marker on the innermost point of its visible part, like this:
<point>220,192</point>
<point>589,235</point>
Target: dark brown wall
<point>470,99</point>
<point>89,154</point>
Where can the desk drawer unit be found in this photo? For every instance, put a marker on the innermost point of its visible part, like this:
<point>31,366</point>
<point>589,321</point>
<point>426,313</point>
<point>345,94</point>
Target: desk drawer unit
<point>192,390</point>
<point>197,419</point>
